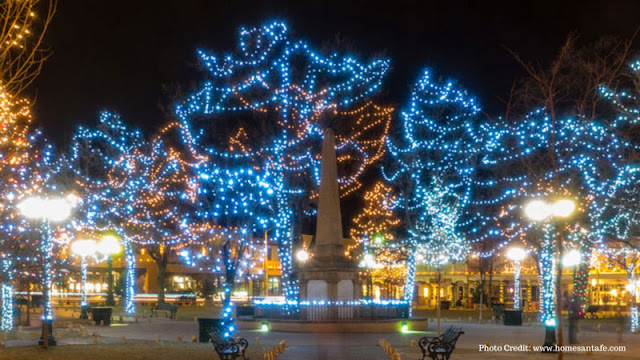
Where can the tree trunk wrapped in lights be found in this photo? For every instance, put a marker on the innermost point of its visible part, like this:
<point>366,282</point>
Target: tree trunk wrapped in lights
<point>6,287</point>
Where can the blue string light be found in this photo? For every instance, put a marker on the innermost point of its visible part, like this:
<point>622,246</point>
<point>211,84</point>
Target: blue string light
<point>7,296</point>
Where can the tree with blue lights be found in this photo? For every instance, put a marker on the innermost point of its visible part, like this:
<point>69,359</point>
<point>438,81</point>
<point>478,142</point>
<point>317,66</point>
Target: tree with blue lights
<point>27,167</point>
<point>432,165</point>
<point>231,205</point>
<point>123,180</point>
<point>540,158</point>
<point>618,220</point>
<point>45,231</point>
<point>550,145</point>
<point>290,93</point>
<point>434,236</point>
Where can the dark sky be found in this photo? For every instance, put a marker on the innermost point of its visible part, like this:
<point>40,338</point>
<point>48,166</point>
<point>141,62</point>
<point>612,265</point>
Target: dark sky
<point>117,55</point>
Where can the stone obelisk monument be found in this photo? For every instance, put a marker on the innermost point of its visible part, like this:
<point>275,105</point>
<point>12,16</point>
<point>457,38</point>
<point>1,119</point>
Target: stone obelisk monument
<point>329,274</point>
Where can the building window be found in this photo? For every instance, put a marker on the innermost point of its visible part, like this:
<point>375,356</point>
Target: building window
<point>273,286</point>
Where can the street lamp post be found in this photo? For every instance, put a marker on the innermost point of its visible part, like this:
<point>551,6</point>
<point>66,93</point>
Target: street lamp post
<point>442,261</point>
<point>84,248</point>
<point>47,210</point>
<point>516,255</point>
<point>541,211</point>
<point>571,259</point>
<point>302,255</point>
<point>369,263</point>
<point>109,245</point>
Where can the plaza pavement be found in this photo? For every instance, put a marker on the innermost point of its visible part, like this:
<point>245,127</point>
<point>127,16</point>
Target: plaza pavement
<point>365,346</point>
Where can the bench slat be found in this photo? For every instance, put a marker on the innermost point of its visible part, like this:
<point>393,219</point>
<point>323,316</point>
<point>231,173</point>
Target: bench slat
<point>228,349</point>
<point>440,347</point>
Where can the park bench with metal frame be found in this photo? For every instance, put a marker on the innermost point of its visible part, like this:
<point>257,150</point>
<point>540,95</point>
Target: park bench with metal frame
<point>441,347</point>
<point>169,310</point>
<point>228,349</point>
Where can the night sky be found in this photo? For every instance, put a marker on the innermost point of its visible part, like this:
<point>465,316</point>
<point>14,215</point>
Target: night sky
<point>123,55</point>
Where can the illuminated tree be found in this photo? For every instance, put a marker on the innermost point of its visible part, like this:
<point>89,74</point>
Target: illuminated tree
<point>17,154</point>
<point>21,42</point>
<point>44,226</point>
<point>374,232</point>
<point>432,166</point>
<point>95,154</point>
<point>551,144</point>
<point>133,187</point>
<point>21,58</point>
<point>230,206</point>
<point>290,94</point>
<point>618,219</point>
<point>160,218</point>
<point>375,224</point>
<point>618,232</point>
<point>538,158</point>
<point>434,238</point>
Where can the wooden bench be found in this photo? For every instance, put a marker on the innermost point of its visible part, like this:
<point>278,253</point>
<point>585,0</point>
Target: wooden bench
<point>170,311</point>
<point>441,347</point>
<point>228,349</point>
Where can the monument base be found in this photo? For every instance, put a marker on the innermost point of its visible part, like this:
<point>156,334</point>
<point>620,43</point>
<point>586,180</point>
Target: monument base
<point>329,285</point>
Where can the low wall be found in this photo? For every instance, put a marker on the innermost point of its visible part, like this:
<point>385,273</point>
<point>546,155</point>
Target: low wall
<point>346,326</point>
<point>337,312</point>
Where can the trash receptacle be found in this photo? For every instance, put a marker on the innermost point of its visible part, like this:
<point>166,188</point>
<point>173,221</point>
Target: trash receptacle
<point>101,314</point>
<point>17,313</point>
<point>513,317</point>
<point>498,311</point>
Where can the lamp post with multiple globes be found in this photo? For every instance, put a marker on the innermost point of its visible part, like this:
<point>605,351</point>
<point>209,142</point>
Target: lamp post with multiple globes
<point>108,246</point>
<point>369,263</point>
<point>573,258</point>
<point>542,211</point>
<point>516,255</point>
<point>47,210</point>
<point>84,248</point>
